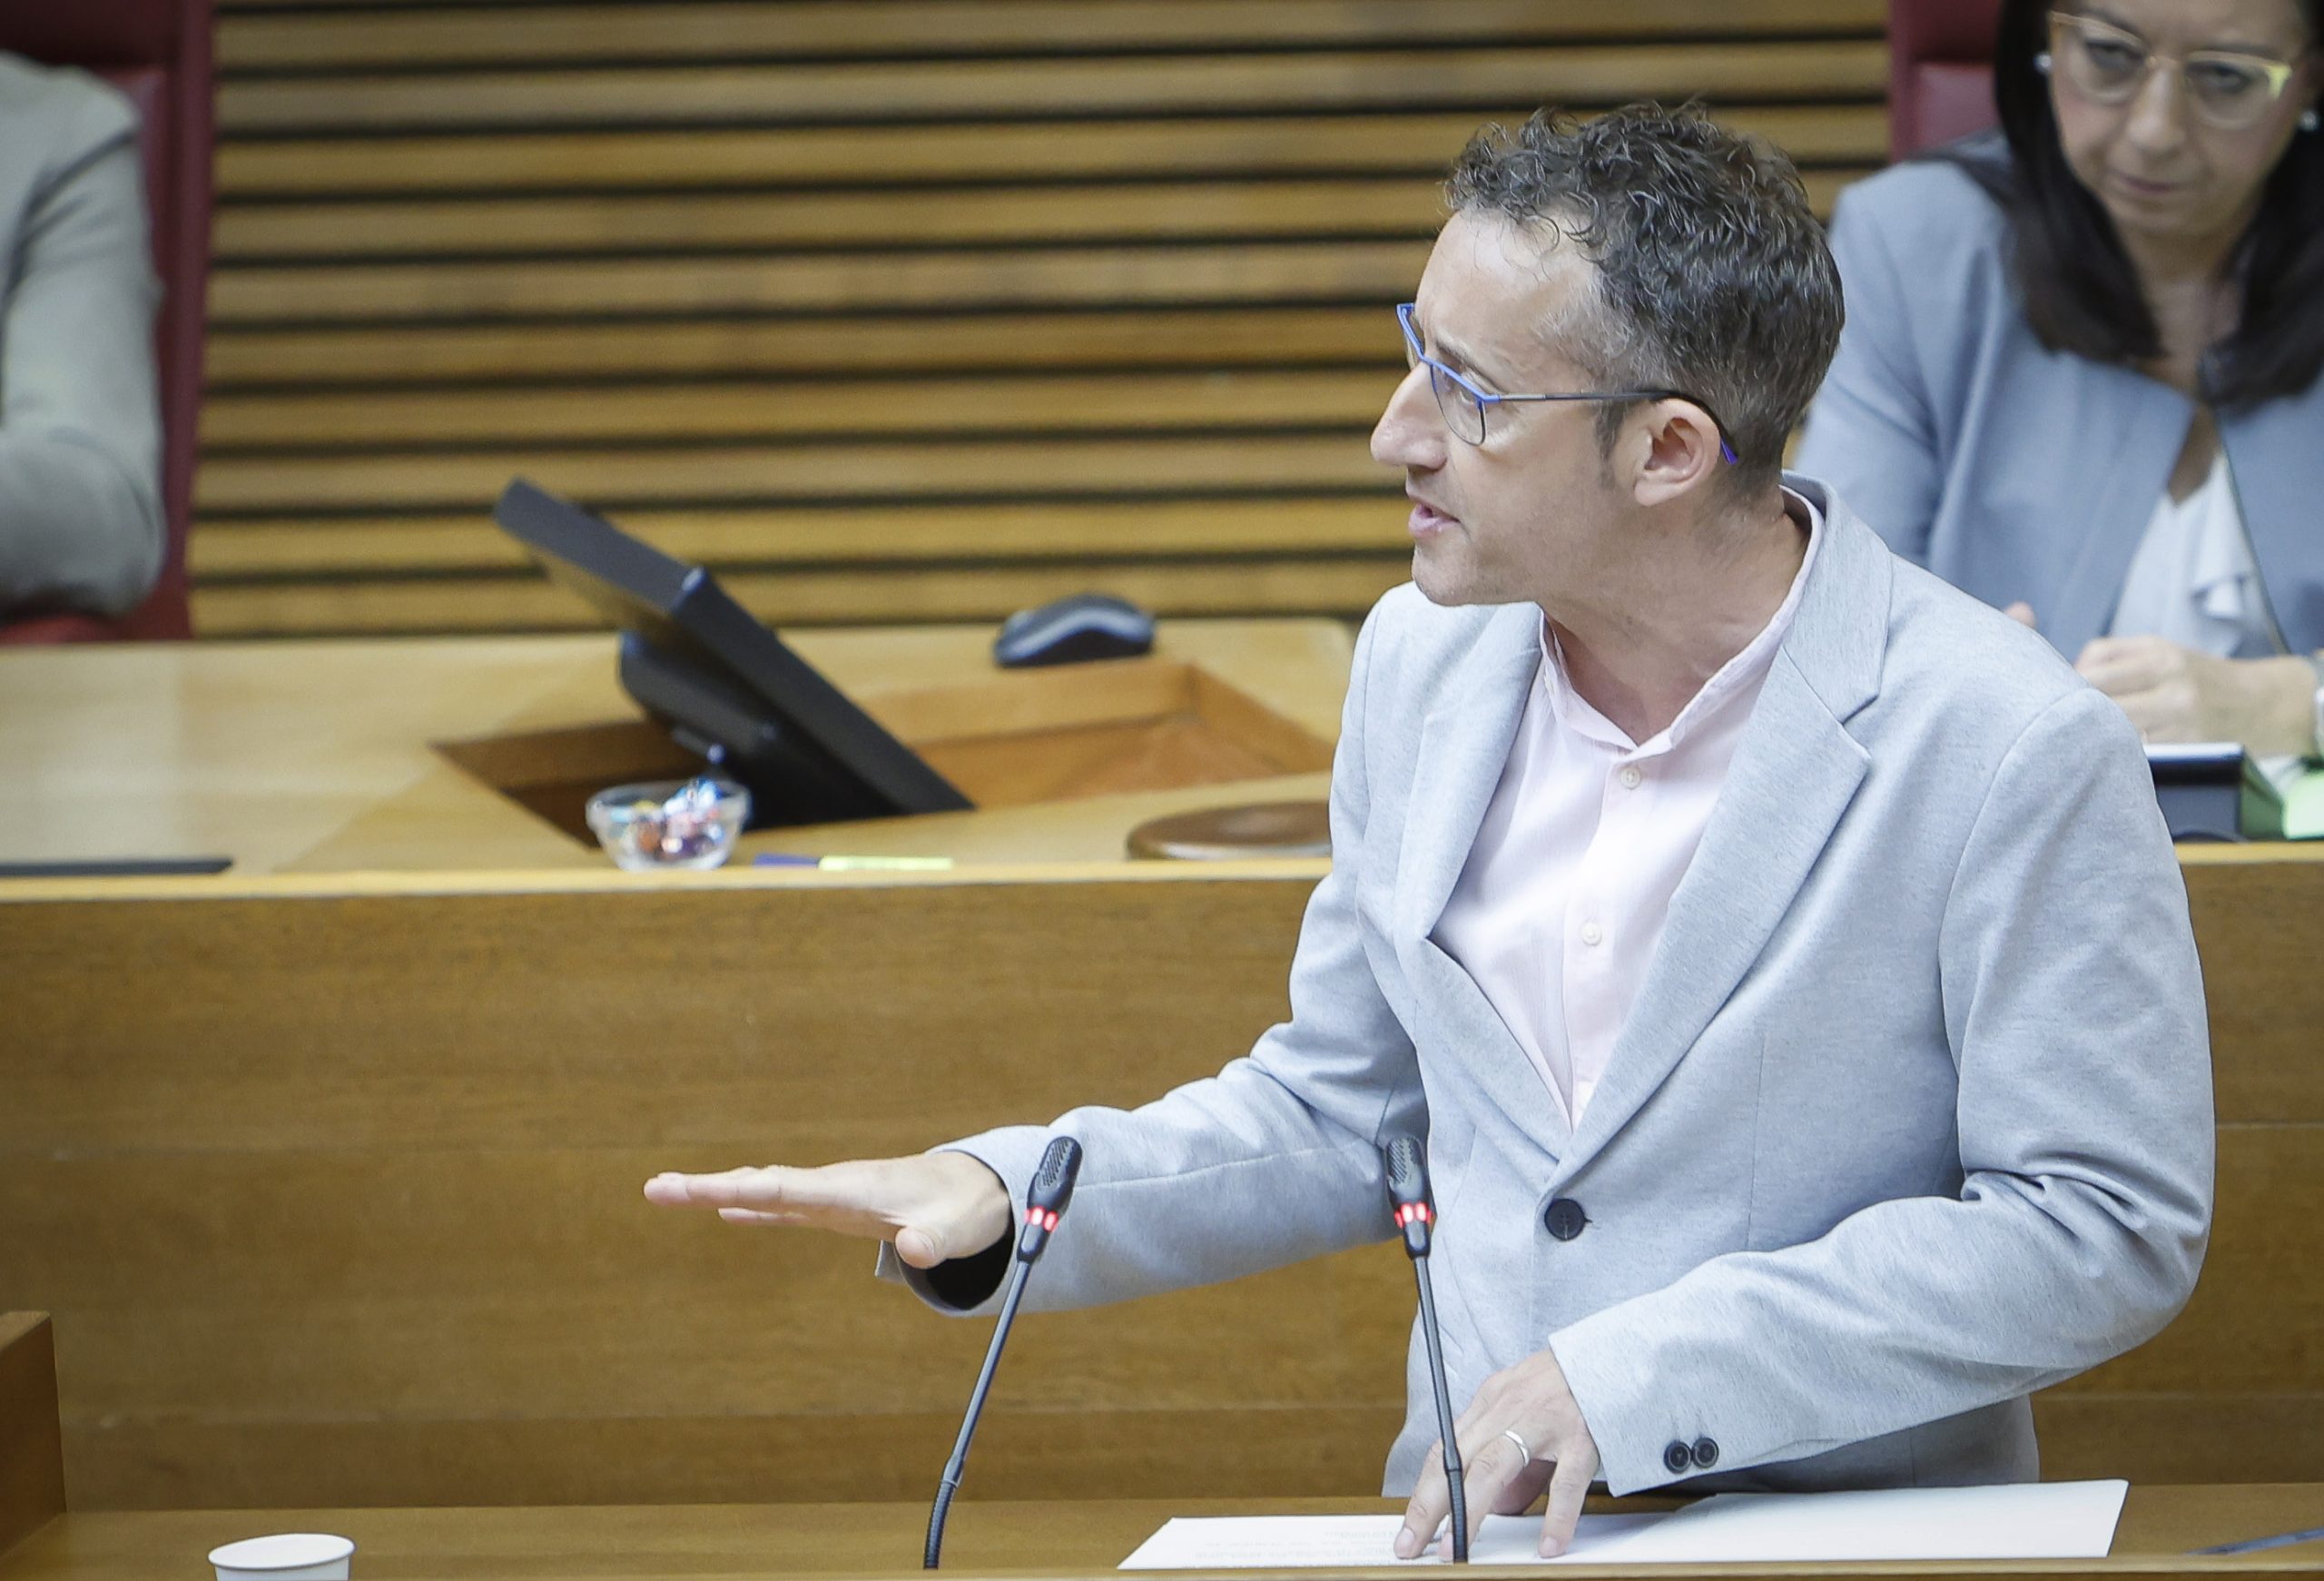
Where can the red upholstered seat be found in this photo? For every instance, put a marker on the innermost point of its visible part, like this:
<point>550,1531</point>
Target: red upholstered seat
<point>1940,71</point>
<point>158,53</point>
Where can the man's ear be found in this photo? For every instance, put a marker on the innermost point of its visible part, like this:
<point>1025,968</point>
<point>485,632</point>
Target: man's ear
<point>1680,450</point>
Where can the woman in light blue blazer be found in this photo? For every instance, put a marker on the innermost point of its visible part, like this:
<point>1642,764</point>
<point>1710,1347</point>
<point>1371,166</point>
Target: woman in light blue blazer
<point>2080,375</point>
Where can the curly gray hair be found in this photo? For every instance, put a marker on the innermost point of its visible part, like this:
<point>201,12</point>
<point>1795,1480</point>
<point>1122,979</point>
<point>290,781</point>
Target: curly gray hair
<point>1713,275</point>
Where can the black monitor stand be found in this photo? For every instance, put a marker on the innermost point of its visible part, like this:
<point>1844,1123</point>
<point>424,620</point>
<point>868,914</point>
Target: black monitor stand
<point>727,689</point>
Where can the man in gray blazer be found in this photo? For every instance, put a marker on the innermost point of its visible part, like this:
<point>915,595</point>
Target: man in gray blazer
<point>1781,951</point>
<point>80,425</point>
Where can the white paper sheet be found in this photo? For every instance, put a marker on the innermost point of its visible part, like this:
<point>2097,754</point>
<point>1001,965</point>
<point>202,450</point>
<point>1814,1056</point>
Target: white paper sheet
<point>2046,1520</point>
<point>2026,1520</point>
<point>1345,1541</point>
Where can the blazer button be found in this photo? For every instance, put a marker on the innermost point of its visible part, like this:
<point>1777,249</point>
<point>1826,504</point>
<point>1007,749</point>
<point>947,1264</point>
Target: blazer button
<point>1677,1457</point>
<point>1706,1453</point>
<point>1564,1217</point>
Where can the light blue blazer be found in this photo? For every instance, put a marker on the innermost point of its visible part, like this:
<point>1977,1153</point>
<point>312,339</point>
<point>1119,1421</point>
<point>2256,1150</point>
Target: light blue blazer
<point>81,522</point>
<point>2017,473</point>
<point>1911,1116</point>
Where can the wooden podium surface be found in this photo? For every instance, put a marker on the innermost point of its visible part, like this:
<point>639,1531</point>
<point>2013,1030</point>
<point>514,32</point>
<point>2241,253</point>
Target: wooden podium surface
<point>435,756</point>
<point>1059,1539</point>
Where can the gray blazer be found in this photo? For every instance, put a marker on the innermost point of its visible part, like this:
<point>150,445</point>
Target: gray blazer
<point>79,427</point>
<point>2016,472</point>
<point>1912,1115</point>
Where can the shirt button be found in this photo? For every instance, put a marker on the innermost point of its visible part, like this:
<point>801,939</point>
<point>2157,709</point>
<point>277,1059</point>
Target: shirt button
<point>1632,777</point>
<point>1705,1454</point>
<point>1676,1458</point>
<point>1564,1218</point>
<point>1592,935</point>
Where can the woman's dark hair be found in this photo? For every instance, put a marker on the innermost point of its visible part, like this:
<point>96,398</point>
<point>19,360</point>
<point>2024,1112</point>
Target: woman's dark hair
<point>2080,293</point>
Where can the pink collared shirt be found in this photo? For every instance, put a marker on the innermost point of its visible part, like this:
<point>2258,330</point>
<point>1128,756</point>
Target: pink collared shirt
<point>1562,900</point>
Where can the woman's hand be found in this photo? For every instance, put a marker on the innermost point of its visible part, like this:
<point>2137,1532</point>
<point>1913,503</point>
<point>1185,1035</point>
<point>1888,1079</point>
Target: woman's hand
<point>2176,694</point>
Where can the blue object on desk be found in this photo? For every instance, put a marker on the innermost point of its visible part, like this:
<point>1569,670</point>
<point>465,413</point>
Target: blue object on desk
<point>119,867</point>
<point>2261,1544</point>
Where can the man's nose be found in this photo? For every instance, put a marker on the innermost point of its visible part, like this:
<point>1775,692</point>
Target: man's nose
<point>1411,431</point>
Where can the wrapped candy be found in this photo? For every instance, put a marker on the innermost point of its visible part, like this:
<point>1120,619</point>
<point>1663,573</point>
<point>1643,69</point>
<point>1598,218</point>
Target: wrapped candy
<point>690,826</point>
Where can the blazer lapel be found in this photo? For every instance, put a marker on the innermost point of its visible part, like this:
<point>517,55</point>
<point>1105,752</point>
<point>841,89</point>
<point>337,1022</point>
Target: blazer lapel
<point>1464,747</point>
<point>1793,774</point>
<point>2147,423</point>
<point>2278,469</point>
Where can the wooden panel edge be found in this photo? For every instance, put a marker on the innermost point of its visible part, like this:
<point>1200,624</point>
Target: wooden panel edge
<point>32,1439</point>
<point>1303,870</point>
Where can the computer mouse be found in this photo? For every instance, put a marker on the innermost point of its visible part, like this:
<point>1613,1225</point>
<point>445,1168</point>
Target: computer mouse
<point>1080,626</point>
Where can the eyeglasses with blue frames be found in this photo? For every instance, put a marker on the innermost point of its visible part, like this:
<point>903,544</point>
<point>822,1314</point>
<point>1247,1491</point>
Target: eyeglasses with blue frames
<point>1464,405</point>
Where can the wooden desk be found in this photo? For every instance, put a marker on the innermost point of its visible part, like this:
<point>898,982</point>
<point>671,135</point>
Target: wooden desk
<point>40,1541</point>
<point>998,1538</point>
<point>378,755</point>
<point>331,1178</point>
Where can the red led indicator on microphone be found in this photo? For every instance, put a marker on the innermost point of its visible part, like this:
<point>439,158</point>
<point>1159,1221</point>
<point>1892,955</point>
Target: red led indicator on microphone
<point>1413,1213</point>
<point>1044,1217</point>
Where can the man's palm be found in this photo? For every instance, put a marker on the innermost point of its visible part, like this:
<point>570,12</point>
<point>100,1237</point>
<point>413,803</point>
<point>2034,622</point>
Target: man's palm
<point>933,1206</point>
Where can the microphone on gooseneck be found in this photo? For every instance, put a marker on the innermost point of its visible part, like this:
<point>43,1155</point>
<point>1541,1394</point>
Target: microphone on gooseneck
<point>1416,1216</point>
<point>1045,1202</point>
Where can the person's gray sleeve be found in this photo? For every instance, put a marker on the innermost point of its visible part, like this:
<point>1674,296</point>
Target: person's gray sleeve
<point>2074,1004</point>
<point>1869,432</point>
<point>1273,1159</point>
<point>81,521</point>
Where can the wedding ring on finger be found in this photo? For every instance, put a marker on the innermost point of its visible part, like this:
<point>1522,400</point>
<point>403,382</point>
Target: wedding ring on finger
<point>1525,1455</point>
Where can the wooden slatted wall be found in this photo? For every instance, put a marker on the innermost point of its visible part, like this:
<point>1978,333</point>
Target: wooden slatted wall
<point>889,310</point>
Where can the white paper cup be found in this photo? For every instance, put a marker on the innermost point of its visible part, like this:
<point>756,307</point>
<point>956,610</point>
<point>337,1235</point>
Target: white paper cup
<point>286,1557</point>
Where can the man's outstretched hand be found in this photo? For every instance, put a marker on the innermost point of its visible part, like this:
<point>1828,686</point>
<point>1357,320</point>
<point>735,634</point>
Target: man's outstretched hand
<point>933,1206</point>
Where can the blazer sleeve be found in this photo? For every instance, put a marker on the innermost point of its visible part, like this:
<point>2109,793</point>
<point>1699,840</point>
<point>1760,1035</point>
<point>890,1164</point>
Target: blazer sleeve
<point>1869,433</point>
<point>80,430</point>
<point>2074,1008</point>
<point>1272,1160</point>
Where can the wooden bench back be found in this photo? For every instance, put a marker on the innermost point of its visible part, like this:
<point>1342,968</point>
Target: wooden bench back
<point>896,311</point>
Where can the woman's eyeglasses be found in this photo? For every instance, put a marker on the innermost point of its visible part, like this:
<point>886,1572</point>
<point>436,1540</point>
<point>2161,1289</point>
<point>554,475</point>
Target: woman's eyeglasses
<point>2107,64</point>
